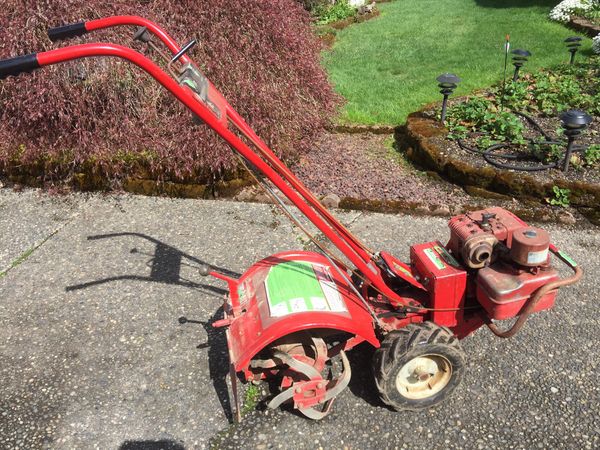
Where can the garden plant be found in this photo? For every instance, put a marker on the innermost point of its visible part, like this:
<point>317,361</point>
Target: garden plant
<point>524,115</point>
<point>94,118</point>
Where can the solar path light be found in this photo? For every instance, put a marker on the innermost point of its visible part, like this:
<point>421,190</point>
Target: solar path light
<point>574,123</point>
<point>573,44</point>
<point>519,59</point>
<point>447,84</point>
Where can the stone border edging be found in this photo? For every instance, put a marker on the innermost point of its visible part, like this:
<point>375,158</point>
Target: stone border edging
<point>145,186</point>
<point>416,138</point>
<point>585,26</point>
<point>245,191</point>
<point>328,36</point>
<point>529,212</point>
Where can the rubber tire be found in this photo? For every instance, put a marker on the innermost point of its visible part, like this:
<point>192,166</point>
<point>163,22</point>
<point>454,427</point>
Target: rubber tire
<point>400,346</point>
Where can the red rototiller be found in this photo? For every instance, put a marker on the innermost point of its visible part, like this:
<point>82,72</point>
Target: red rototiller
<point>293,316</point>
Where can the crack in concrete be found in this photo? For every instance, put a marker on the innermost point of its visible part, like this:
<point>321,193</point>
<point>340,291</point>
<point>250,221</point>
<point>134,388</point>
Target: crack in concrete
<point>30,251</point>
<point>26,254</point>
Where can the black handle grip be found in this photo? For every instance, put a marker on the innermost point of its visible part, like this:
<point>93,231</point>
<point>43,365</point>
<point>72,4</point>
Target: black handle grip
<point>67,31</point>
<point>15,66</point>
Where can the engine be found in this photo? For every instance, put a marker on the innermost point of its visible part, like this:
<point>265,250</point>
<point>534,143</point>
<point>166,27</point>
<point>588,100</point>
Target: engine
<point>479,237</point>
<point>511,260</point>
<point>492,257</point>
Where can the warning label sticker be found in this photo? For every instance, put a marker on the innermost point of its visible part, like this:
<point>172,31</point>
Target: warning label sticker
<point>299,286</point>
<point>447,256</point>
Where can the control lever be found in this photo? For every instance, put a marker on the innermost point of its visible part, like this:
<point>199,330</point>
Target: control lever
<point>186,48</point>
<point>143,35</point>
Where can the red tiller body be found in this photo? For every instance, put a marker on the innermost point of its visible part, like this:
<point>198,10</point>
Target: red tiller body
<point>494,266</point>
<point>262,325</point>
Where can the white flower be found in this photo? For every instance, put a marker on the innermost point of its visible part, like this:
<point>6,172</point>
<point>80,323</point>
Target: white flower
<point>596,44</point>
<point>562,12</point>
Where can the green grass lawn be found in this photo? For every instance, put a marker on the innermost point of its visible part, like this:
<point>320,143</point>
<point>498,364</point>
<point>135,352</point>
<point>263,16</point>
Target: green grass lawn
<point>386,67</point>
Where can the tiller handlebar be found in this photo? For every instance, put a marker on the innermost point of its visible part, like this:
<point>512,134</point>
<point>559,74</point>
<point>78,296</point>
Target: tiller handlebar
<point>210,106</point>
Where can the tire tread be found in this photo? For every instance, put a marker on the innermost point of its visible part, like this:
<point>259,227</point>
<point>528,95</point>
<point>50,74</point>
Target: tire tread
<point>398,343</point>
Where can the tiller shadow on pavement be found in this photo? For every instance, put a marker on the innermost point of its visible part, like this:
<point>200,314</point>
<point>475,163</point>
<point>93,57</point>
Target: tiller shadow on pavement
<point>291,317</point>
<point>165,265</point>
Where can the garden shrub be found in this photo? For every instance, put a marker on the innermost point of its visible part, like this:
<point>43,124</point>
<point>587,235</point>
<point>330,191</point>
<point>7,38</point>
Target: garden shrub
<point>309,5</point>
<point>482,115</point>
<point>565,9</point>
<point>333,12</point>
<point>105,117</point>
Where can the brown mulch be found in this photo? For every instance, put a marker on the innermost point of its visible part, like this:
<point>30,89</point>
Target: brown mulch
<point>366,166</point>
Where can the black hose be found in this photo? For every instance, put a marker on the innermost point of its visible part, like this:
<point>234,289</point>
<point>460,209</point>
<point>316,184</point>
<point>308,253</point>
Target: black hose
<point>488,155</point>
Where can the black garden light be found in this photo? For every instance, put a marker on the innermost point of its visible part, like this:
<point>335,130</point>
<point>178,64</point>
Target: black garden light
<point>519,59</point>
<point>447,84</point>
<point>574,123</point>
<point>573,44</point>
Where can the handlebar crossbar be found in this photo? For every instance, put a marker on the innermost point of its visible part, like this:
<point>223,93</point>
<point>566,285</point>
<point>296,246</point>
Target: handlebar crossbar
<point>81,28</point>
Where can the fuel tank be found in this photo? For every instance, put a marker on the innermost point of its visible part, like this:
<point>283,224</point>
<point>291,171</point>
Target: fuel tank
<point>503,289</point>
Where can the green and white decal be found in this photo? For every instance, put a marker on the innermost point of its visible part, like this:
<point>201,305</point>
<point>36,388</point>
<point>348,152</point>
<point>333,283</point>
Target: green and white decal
<point>299,286</point>
<point>403,270</point>
<point>567,258</point>
<point>434,258</point>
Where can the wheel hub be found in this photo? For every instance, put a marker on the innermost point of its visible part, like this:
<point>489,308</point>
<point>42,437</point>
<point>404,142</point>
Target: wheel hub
<point>423,376</point>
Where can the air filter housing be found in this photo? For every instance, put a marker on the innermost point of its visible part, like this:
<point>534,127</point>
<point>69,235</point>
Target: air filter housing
<point>530,247</point>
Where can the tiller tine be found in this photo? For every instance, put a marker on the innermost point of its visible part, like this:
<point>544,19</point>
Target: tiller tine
<point>297,366</point>
<point>314,391</point>
<point>237,411</point>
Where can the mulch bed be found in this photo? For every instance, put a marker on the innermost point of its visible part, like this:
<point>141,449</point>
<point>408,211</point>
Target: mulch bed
<point>365,166</point>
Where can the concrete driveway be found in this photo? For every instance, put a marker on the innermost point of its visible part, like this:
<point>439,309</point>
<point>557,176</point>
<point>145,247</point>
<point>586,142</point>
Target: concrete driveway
<point>92,354</point>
